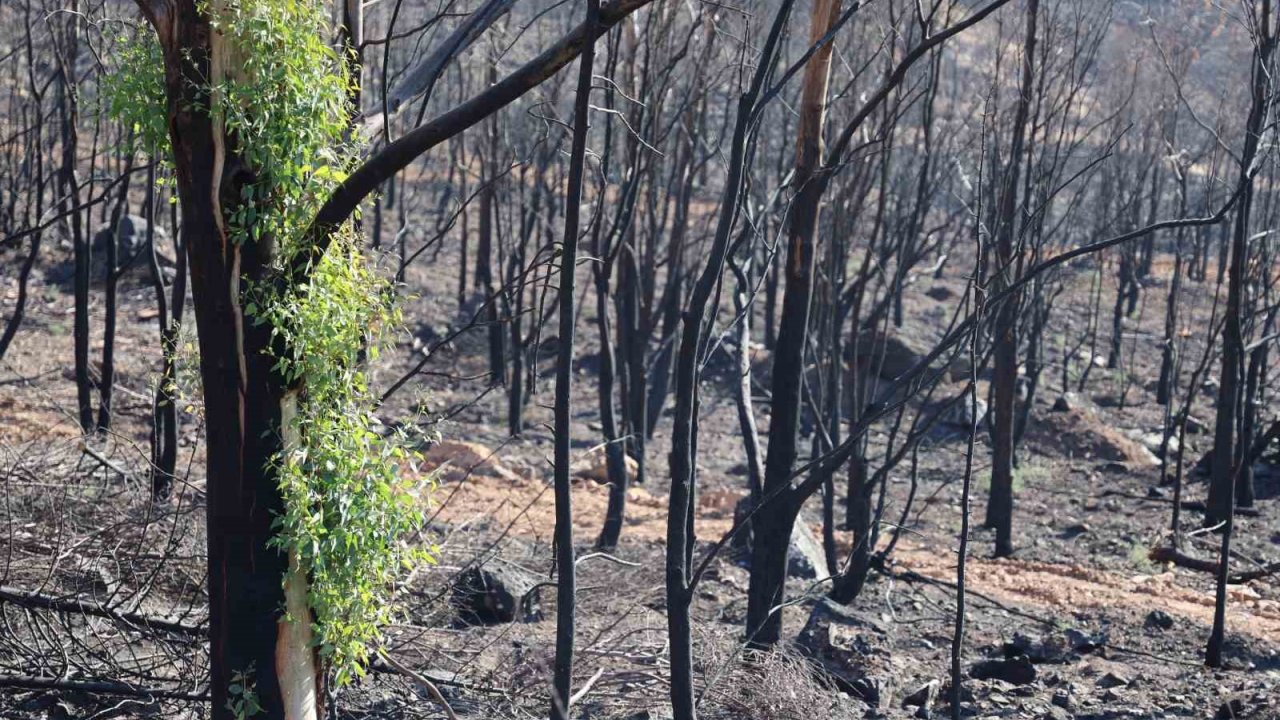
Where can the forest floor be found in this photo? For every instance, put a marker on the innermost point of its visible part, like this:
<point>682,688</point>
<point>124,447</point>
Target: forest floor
<point>1111,634</point>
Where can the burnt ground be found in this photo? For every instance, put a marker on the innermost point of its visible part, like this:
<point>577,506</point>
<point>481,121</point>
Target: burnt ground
<point>1077,597</point>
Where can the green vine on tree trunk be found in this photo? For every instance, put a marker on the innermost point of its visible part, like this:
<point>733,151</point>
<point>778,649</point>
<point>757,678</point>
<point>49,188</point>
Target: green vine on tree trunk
<point>347,503</point>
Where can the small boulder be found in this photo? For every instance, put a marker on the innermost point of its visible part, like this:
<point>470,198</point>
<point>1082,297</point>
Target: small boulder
<point>1066,403</point>
<point>940,293</point>
<point>1230,709</point>
<point>964,412</point>
<point>132,253</point>
<point>866,689</point>
<point>1049,649</point>
<point>594,465</point>
<point>805,559</point>
<point>1196,426</point>
<point>840,641</point>
<point>457,460</point>
<point>1085,642</point>
<point>1015,671</point>
<point>1158,620</point>
<point>892,355</point>
<point>650,714</point>
<point>1062,699</point>
<point>1112,680</point>
<point>1247,705</point>
<point>923,696</point>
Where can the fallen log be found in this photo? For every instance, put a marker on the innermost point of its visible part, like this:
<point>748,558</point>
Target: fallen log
<point>28,599</point>
<point>99,687</point>
<point>1182,560</point>
<point>1193,505</point>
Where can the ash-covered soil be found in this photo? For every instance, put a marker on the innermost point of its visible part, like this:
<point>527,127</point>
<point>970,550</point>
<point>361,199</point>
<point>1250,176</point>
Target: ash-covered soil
<point>1082,621</point>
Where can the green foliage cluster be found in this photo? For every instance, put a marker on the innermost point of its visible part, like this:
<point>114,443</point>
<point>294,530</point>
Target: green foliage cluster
<point>284,105</point>
<point>347,505</point>
<point>134,93</point>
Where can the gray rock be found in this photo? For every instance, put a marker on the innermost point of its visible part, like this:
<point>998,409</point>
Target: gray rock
<point>805,559</point>
<point>1085,642</point>
<point>1015,671</point>
<point>132,253</point>
<point>651,714</point>
<point>962,413</point>
<point>1066,403</point>
<point>940,293</point>
<point>1062,699</point>
<point>1112,680</point>
<point>923,696</point>
<point>1158,620</point>
<point>892,355</point>
<point>838,641</point>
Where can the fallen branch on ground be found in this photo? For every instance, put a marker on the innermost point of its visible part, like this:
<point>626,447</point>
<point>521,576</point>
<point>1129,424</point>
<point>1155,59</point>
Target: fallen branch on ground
<point>421,680</point>
<point>99,687</point>
<point>1193,505</point>
<point>27,599</point>
<point>1182,560</point>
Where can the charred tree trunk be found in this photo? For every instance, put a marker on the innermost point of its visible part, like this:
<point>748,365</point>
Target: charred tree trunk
<point>484,248</point>
<point>164,434</point>
<point>772,530</point>
<point>700,308</point>
<point>1005,372</point>
<point>632,343</point>
<point>106,380</point>
<point>250,630</point>
<point>615,450</point>
<point>566,575</point>
<point>1227,455</point>
<point>69,111</point>
<point>1169,346</point>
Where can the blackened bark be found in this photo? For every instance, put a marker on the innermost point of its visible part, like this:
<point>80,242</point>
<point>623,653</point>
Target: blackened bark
<point>244,399</point>
<point>768,568</point>
<point>742,389</point>
<point>701,306</point>
<point>1220,507</point>
<point>20,304</point>
<point>1005,373</point>
<point>1245,491</point>
<point>566,575</point>
<point>632,341</point>
<point>164,434</point>
<point>615,456</point>
<point>615,452</point>
<point>106,380</point>
<point>69,113</point>
<point>484,249</point>
<point>1169,347</point>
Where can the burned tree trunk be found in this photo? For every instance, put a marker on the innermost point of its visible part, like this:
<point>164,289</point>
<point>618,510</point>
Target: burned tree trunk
<point>1227,455</point>
<point>772,530</point>
<point>1005,330</point>
<point>566,575</point>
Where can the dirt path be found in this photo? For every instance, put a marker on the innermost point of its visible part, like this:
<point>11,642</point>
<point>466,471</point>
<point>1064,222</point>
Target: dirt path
<point>1066,588</point>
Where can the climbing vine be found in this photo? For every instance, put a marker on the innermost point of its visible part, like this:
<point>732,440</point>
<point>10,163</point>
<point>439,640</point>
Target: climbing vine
<point>134,93</point>
<point>347,503</point>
